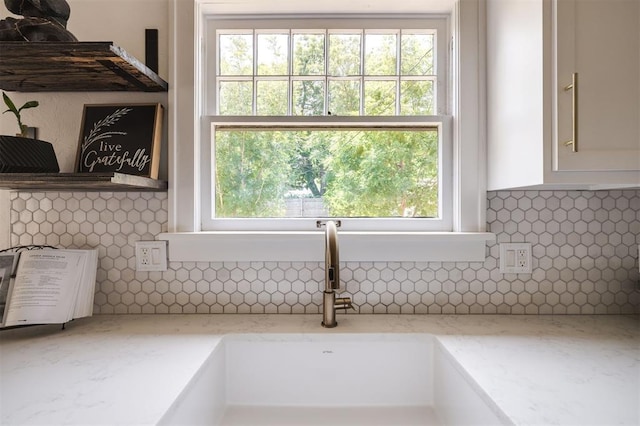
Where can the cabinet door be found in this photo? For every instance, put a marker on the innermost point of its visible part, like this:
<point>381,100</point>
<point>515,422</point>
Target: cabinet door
<point>599,41</point>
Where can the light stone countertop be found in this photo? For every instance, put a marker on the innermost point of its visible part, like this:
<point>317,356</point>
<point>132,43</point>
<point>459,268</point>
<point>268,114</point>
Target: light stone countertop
<point>129,369</point>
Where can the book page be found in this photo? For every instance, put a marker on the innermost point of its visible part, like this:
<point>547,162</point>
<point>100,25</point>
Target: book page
<point>87,287</point>
<point>45,288</point>
<point>6,268</point>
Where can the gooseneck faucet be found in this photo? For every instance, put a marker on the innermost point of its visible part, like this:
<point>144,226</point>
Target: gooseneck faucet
<point>332,276</point>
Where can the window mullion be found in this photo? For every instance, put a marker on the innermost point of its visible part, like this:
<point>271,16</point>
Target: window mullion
<point>254,97</point>
<point>290,72</point>
<point>362,92</point>
<point>398,71</point>
<point>326,72</point>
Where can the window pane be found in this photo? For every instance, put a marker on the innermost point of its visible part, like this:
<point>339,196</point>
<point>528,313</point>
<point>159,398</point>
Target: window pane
<point>235,97</point>
<point>273,54</point>
<point>236,54</point>
<point>308,54</point>
<point>320,65</point>
<point>308,97</point>
<point>344,97</point>
<point>344,54</point>
<point>380,97</point>
<point>390,173</point>
<point>272,97</point>
<point>251,175</point>
<point>336,173</point>
<point>380,54</point>
<point>417,54</point>
<point>416,98</point>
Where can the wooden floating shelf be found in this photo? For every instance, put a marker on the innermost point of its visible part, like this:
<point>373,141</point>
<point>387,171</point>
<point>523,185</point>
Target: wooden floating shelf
<point>73,67</point>
<point>66,182</point>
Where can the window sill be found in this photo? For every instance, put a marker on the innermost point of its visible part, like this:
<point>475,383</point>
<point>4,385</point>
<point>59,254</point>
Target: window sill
<point>309,246</point>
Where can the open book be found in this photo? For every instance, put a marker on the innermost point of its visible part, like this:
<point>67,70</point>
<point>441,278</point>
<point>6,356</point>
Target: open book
<point>50,286</point>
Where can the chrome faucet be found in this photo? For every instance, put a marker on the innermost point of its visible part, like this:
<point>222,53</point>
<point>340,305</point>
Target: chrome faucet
<point>332,276</point>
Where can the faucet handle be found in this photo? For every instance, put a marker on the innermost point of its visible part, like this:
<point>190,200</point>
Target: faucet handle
<point>331,277</point>
<point>344,303</point>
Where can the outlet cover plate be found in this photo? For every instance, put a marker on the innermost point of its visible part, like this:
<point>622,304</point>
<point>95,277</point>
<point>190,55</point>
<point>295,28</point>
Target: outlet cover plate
<point>151,255</point>
<point>515,258</point>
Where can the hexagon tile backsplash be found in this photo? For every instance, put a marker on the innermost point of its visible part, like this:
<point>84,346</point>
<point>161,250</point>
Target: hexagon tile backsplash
<point>585,260</point>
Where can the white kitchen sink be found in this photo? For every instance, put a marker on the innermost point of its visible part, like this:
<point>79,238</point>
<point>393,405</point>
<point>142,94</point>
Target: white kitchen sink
<point>330,379</point>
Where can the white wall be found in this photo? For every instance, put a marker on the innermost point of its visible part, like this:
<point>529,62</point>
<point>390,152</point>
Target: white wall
<point>58,118</point>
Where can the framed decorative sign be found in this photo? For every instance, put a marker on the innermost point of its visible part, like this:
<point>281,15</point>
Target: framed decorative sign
<point>120,138</point>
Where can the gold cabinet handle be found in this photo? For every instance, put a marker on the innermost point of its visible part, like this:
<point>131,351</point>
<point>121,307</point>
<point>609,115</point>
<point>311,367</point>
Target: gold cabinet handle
<point>574,114</point>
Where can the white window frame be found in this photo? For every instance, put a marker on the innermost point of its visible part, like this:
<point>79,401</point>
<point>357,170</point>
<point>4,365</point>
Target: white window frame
<point>187,242</point>
<point>431,23</point>
<point>435,24</point>
<point>445,203</point>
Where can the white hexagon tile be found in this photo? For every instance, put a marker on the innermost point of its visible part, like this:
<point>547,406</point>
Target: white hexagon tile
<point>584,243</point>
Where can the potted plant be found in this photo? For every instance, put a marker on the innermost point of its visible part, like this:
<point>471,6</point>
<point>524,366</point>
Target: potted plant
<point>21,154</point>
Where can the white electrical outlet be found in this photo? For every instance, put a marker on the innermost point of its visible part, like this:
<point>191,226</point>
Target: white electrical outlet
<point>151,255</point>
<point>515,258</point>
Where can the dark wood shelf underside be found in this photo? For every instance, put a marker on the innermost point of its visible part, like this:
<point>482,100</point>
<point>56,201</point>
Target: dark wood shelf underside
<point>66,182</point>
<point>73,67</point>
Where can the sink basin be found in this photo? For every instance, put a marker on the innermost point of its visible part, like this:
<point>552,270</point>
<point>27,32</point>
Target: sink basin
<point>328,379</point>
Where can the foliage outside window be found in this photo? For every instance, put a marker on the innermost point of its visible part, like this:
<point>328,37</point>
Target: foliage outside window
<point>354,173</point>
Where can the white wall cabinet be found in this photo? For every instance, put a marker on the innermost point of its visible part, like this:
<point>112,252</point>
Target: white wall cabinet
<point>544,131</point>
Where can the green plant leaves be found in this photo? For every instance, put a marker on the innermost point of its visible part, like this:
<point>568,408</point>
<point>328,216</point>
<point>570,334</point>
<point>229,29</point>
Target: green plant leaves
<point>30,104</point>
<point>12,107</point>
<point>10,104</point>
<point>16,111</point>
